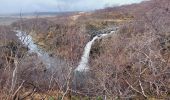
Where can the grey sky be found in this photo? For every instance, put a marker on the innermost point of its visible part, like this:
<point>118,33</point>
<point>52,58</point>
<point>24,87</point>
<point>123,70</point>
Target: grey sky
<point>15,6</point>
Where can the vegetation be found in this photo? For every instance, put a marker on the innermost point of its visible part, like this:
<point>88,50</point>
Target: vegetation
<point>133,63</point>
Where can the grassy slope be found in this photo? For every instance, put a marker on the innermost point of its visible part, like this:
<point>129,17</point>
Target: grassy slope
<point>137,47</point>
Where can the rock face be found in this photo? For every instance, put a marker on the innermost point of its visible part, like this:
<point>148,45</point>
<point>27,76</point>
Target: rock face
<point>104,31</point>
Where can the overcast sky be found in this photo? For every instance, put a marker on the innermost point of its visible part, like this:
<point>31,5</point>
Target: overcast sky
<point>16,6</point>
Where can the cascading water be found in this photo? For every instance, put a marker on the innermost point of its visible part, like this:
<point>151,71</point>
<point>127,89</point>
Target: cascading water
<point>57,64</point>
<point>27,40</point>
<point>50,62</point>
<point>81,72</point>
<point>83,65</point>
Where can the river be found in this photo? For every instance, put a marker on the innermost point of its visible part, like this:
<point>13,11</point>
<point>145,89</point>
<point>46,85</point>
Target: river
<point>51,62</point>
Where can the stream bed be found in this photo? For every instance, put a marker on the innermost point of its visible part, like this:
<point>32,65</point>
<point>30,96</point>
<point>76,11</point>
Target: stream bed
<point>51,62</point>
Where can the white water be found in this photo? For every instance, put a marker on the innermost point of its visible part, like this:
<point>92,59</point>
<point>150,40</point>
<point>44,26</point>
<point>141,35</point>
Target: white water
<point>83,65</point>
<point>27,40</point>
<point>84,59</point>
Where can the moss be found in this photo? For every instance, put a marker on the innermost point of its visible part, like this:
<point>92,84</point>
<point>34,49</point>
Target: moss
<point>99,98</point>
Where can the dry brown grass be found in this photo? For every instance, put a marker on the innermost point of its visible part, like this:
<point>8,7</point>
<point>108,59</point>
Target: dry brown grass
<point>133,63</point>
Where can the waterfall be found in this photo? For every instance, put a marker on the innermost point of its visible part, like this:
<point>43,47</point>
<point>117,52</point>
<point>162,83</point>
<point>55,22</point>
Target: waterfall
<point>85,57</point>
<point>27,40</point>
<point>81,72</point>
<point>83,64</point>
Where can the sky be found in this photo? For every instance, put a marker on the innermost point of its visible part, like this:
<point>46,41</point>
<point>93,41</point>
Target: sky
<point>24,6</point>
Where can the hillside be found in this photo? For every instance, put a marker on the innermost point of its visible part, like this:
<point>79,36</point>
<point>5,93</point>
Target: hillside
<point>131,63</point>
